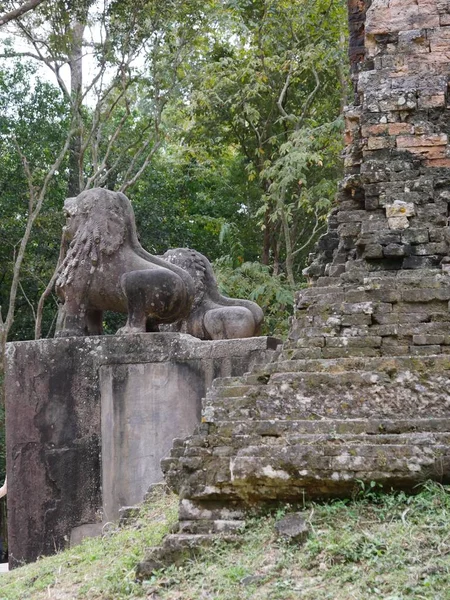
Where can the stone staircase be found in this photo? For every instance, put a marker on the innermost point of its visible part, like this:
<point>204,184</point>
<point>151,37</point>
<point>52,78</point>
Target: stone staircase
<point>309,429</point>
<point>301,429</point>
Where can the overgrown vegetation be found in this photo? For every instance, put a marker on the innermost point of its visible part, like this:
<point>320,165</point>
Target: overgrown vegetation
<point>394,547</point>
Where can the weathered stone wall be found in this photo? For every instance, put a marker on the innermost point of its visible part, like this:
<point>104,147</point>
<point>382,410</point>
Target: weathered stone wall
<point>393,204</point>
<point>88,420</point>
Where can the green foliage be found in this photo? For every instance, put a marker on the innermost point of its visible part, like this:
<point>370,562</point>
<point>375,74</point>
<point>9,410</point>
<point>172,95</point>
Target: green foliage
<point>272,85</point>
<point>191,200</point>
<point>33,120</point>
<point>254,281</point>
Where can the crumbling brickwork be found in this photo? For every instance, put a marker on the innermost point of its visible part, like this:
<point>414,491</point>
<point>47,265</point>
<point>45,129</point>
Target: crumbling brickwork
<point>381,270</point>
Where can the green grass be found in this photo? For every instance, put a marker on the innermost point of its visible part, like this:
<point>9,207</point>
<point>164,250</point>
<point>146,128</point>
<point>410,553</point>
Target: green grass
<point>390,547</point>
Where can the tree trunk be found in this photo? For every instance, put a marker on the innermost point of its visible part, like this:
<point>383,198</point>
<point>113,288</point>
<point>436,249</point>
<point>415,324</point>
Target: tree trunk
<point>76,90</point>
<point>265,257</point>
<point>287,241</point>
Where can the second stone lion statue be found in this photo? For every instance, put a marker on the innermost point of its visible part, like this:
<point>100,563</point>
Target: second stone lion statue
<point>106,268</point>
<point>213,316</point>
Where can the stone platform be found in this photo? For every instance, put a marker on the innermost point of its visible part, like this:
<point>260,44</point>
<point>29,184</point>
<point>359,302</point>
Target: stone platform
<point>88,420</point>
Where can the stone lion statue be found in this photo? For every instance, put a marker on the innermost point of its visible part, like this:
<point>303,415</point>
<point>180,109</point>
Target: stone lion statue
<point>213,316</point>
<point>106,268</point>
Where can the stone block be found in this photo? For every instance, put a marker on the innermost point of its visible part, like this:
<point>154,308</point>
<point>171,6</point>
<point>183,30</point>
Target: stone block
<point>428,340</point>
<point>395,350</point>
<point>424,350</point>
<point>293,528</point>
<point>356,320</point>
<point>422,141</point>
<point>430,249</point>
<point>415,236</point>
<point>354,342</point>
<point>384,330</point>
<point>420,262</point>
<point>345,352</point>
<point>425,294</point>
<point>351,308</point>
<point>373,251</point>
<point>396,250</point>
<point>400,209</point>
<point>380,142</point>
<point>398,223</point>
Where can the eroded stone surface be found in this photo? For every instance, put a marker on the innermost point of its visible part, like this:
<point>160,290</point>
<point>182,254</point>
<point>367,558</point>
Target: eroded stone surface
<point>213,316</point>
<point>292,528</point>
<point>106,268</point>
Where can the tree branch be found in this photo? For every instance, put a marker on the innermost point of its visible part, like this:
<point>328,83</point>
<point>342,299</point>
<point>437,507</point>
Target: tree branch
<point>48,289</point>
<point>18,12</point>
<point>309,100</point>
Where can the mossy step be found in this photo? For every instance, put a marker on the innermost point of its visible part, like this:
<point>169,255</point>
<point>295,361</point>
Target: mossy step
<point>342,442</point>
<point>324,443</point>
<point>229,391</point>
<point>309,378</point>
<point>396,364</point>
<point>372,426</point>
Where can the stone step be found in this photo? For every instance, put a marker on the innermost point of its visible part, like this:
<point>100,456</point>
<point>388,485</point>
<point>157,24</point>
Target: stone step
<point>281,428</point>
<point>210,526</point>
<point>394,364</point>
<point>316,470</point>
<point>314,396</point>
<point>307,377</point>
<point>229,391</point>
<point>254,445</point>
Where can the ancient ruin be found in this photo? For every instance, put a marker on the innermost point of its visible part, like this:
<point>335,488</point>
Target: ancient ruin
<point>360,391</point>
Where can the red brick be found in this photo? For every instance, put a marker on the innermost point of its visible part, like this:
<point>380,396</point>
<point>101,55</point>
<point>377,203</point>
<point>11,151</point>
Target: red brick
<point>379,129</point>
<point>399,128</point>
<point>441,162</point>
<point>436,101</point>
<point>407,141</point>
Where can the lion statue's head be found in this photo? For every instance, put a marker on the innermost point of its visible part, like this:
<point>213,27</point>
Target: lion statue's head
<point>98,223</point>
<point>196,265</point>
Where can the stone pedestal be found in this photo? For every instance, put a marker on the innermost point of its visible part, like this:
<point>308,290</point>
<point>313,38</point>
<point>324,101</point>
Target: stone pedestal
<point>88,420</point>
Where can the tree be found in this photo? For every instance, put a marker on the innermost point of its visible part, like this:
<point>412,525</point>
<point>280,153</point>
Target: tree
<point>271,84</point>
